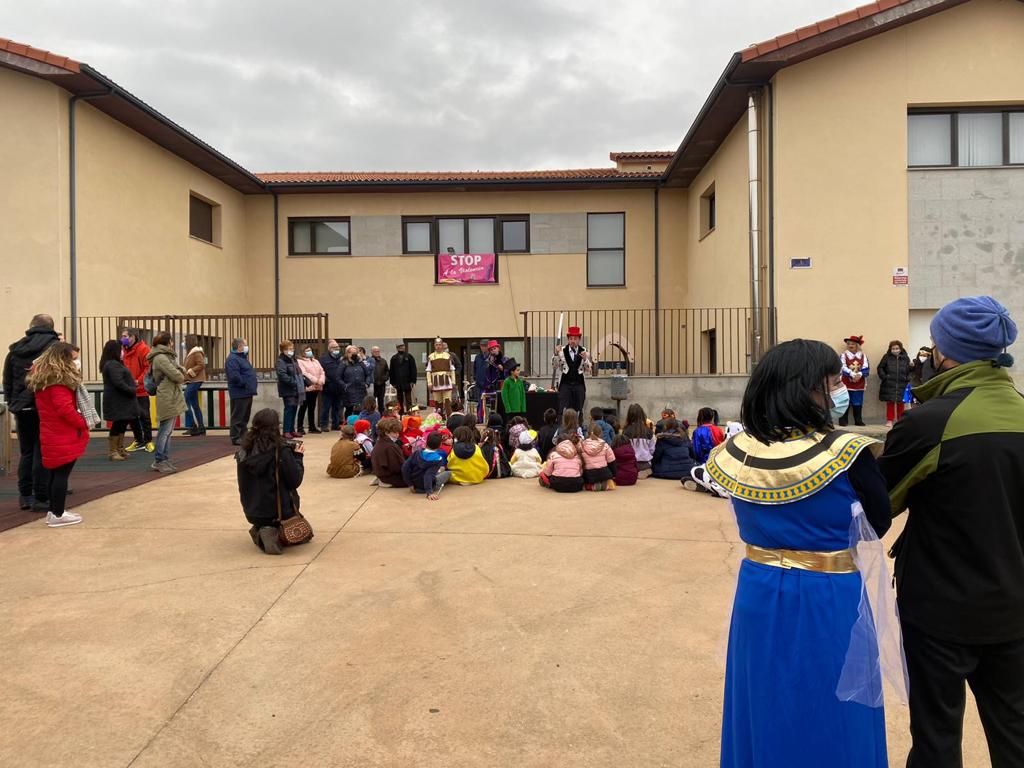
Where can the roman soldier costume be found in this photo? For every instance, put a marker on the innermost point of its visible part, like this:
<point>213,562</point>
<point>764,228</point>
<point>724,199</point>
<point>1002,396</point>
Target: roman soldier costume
<point>440,375</point>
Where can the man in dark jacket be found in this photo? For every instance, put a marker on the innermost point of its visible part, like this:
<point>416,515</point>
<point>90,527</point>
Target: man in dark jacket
<point>32,477</point>
<point>242,388</point>
<point>331,401</point>
<point>957,464</point>
<point>356,378</point>
<point>381,374</point>
<point>403,376</point>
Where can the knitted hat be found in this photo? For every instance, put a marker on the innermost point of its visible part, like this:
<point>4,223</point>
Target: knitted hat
<point>361,426</point>
<point>525,438</point>
<point>351,420</point>
<point>973,328</point>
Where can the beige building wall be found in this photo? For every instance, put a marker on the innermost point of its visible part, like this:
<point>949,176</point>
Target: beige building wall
<point>33,202</point>
<point>394,296</point>
<point>841,161</point>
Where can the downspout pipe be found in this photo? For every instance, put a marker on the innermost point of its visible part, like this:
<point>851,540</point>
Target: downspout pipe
<point>277,271</point>
<point>72,207</point>
<point>657,283</point>
<point>754,194</point>
<point>773,328</point>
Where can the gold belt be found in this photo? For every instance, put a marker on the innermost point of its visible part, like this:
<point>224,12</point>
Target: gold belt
<point>840,561</point>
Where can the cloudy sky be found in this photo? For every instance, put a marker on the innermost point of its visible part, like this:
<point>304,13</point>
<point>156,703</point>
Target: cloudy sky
<point>416,85</point>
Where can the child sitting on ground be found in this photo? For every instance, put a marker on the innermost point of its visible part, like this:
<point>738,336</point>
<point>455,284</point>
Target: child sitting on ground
<point>526,461</point>
<point>393,408</point>
<point>673,457</point>
<point>563,471</point>
<point>466,462</point>
<point>387,457</point>
<point>598,461</point>
<point>640,432</point>
<point>570,427</point>
<point>495,456</point>
<point>667,414</point>
<point>626,471</point>
<point>424,471</point>
<point>545,442</point>
<point>516,426</point>
<point>707,435</point>
<point>412,435</point>
<point>370,414</point>
<point>362,428</point>
<point>494,421</point>
<point>597,419</point>
<point>346,456</point>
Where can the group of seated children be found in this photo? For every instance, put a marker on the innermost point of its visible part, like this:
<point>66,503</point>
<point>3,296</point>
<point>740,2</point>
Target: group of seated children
<point>426,453</point>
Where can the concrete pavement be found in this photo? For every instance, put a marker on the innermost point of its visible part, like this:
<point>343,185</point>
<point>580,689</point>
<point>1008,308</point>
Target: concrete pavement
<point>504,625</point>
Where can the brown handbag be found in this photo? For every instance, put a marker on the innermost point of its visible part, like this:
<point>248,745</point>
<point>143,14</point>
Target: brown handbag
<point>296,529</point>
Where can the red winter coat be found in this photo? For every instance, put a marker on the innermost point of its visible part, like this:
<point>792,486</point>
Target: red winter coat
<point>63,433</point>
<point>134,358</point>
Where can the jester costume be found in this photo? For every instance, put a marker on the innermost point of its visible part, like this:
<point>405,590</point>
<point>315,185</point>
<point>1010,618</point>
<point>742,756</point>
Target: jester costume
<point>798,599</point>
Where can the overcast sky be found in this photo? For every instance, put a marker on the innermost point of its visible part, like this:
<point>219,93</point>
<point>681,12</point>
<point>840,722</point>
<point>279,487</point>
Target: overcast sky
<point>416,85</point>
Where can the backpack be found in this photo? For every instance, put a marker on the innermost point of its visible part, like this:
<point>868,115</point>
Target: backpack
<point>149,383</point>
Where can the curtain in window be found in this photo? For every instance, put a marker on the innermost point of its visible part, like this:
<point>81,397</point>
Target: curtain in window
<point>1017,137</point>
<point>980,136</point>
<point>928,140</point>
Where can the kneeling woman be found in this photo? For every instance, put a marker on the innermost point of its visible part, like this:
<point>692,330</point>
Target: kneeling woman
<point>802,681</point>
<point>269,472</point>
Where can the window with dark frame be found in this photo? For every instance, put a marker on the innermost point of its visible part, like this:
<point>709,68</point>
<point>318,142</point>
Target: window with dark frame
<point>708,212</point>
<point>200,219</point>
<point>479,233</point>
<point>319,236</point>
<point>606,250</point>
<point>980,137</point>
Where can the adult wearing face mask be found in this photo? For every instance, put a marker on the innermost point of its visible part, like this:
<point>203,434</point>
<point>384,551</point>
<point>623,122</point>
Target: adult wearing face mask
<point>922,370</point>
<point>170,401</point>
<point>356,378</point>
<point>956,465</point>
<point>803,648</point>
<point>313,378</point>
<point>893,377</point>
<point>136,359</point>
<point>381,374</point>
<point>242,388</point>
<point>403,376</point>
<point>290,387</point>
<point>331,399</point>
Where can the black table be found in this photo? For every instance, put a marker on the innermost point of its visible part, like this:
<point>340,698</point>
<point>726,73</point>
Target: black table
<point>536,404</point>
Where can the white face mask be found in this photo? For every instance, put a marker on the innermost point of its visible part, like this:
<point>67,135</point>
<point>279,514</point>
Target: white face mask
<point>78,363</point>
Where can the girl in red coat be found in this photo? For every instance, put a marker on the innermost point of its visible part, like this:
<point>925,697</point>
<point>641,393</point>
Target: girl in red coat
<point>63,433</point>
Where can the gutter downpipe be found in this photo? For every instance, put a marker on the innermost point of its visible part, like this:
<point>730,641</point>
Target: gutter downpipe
<point>277,273</point>
<point>754,192</point>
<point>773,328</point>
<point>72,209</point>
<point>657,285</point>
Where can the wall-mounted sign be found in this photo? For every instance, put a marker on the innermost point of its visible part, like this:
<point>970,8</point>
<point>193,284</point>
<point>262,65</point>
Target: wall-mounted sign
<point>900,276</point>
<point>466,268</point>
<point>800,263</point>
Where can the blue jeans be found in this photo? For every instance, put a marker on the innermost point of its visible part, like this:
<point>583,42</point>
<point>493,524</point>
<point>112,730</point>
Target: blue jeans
<point>193,414</point>
<point>330,406</point>
<point>163,440</point>
<point>290,407</point>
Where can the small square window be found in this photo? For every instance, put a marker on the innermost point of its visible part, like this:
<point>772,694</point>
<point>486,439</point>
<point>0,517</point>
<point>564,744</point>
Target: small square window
<point>515,236</point>
<point>929,140</point>
<point>481,236</point>
<point>418,237</point>
<point>203,219</point>
<point>980,138</point>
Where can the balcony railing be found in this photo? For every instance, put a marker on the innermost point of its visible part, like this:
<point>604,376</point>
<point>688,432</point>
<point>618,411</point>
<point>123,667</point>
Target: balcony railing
<point>214,333</point>
<point>647,342</point>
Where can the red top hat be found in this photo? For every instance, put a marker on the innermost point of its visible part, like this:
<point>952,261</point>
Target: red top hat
<point>492,344</point>
<point>854,339</point>
<point>575,331</point>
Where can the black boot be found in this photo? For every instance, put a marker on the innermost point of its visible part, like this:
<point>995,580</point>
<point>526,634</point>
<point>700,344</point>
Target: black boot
<point>269,535</point>
<point>254,534</point>
<point>845,418</point>
<point>858,418</point>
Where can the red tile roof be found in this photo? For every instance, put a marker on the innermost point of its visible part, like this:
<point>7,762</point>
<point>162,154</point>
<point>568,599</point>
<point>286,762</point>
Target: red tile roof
<point>655,155</point>
<point>343,177</point>
<point>812,30</point>
<point>53,59</point>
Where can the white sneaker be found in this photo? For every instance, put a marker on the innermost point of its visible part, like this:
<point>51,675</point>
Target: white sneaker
<point>68,518</point>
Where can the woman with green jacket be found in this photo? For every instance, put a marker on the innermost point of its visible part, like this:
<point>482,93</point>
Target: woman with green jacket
<point>170,401</point>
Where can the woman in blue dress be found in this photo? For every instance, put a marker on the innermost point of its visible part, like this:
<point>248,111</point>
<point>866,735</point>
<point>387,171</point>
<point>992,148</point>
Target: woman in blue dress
<point>798,692</point>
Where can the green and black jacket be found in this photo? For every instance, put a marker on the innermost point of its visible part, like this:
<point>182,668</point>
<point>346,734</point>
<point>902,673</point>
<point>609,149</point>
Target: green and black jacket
<point>957,463</point>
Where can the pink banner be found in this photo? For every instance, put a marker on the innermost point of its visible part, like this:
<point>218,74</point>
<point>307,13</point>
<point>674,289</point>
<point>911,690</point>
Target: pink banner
<point>466,268</point>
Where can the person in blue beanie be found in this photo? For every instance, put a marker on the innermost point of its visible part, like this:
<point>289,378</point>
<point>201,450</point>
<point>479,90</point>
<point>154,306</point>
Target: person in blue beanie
<point>956,465</point>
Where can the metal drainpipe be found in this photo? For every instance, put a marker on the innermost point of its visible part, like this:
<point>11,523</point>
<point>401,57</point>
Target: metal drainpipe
<point>657,286</point>
<point>754,192</point>
<point>72,209</point>
<point>773,329</point>
<point>277,273</point>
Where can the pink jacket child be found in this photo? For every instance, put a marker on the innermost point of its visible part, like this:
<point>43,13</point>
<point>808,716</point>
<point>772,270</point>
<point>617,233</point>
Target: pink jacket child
<point>563,471</point>
<point>598,464</point>
<point>314,372</point>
